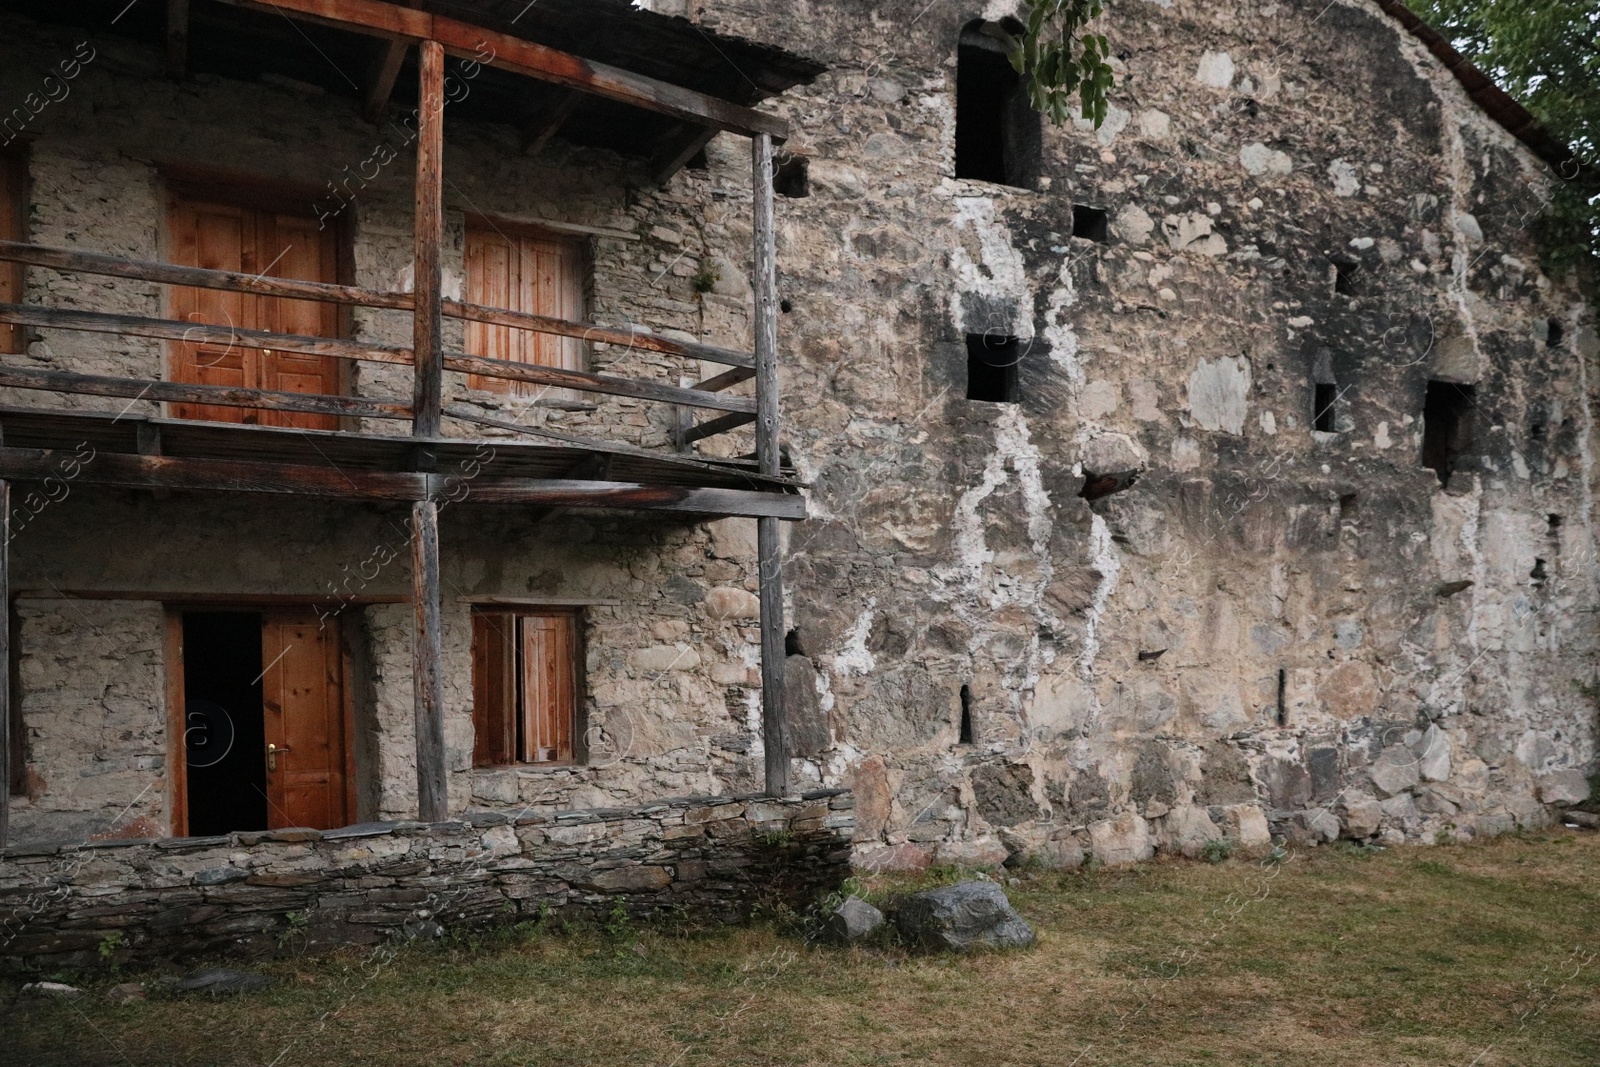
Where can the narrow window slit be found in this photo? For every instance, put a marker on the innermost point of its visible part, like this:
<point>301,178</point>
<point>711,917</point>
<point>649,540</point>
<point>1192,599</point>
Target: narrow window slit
<point>1322,400</point>
<point>1446,427</point>
<point>998,135</point>
<point>1344,276</point>
<point>992,368</point>
<point>1553,333</point>
<point>966,715</point>
<point>1283,703</point>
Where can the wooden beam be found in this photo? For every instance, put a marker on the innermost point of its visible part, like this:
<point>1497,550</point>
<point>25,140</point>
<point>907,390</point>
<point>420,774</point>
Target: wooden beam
<point>178,39</point>
<point>426,326</point>
<point>532,60</point>
<point>200,278</point>
<point>427,674</point>
<point>550,124</point>
<point>60,381</point>
<point>596,383</point>
<point>628,336</point>
<point>634,495</point>
<point>126,471</point>
<point>769,560</point>
<point>726,380</point>
<point>199,333</point>
<point>6,769</point>
<point>179,392</point>
<point>675,154</point>
<point>712,427</point>
<point>387,73</point>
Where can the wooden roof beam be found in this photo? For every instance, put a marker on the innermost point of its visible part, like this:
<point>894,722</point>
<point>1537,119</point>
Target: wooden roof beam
<point>505,52</point>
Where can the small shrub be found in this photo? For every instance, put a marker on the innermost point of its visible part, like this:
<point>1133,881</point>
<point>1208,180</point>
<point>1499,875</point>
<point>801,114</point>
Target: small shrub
<point>1216,850</point>
<point>109,945</point>
<point>618,924</point>
<point>706,278</point>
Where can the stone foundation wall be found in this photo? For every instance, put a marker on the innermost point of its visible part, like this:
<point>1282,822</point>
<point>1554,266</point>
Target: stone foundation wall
<point>694,859</point>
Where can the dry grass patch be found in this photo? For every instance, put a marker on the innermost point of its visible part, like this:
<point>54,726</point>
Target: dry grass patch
<point>1475,955</point>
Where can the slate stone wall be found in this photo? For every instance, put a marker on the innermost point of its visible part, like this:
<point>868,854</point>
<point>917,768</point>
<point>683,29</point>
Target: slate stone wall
<point>257,894</point>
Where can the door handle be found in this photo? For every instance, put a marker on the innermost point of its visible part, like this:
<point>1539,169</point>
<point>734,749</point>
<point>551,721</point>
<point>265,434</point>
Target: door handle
<point>272,755</point>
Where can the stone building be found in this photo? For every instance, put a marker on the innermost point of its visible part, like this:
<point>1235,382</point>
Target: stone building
<point>1221,472</point>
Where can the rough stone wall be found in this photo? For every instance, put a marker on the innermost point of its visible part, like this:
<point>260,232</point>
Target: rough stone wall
<point>1121,658</point>
<point>692,859</point>
<point>91,691</point>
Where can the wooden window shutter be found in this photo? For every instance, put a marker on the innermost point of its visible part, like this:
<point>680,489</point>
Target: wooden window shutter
<point>549,687</point>
<point>13,227</point>
<point>494,688</point>
<point>523,272</point>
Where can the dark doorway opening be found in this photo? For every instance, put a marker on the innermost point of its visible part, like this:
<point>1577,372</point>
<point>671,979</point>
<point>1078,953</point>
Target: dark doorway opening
<point>224,731</point>
<point>997,131</point>
<point>1446,426</point>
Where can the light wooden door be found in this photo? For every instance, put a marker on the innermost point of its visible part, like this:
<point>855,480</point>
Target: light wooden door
<point>302,696</point>
<point>521,272</point>
<point>549,689</point>
<point>236,238</point>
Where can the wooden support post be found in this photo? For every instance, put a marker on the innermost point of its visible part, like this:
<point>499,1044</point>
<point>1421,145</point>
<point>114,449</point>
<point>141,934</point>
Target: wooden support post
<point>427,679</point>
<point>7,771</point>
<point>178,39</point>
<point>768,559</point>
<point>427,341</point>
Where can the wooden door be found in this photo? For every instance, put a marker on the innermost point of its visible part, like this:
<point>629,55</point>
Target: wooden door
<point>523,272</point>
<point>220,236</point>
<point>13,213</point>
<point>549,686</point>
<point>302,696</point>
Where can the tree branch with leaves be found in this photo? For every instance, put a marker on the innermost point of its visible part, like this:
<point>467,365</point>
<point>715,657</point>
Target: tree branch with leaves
<point>1059,59</point>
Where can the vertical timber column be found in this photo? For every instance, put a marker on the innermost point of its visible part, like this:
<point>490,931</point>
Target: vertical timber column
<point>6,769</point>
<point>427,394</point>
<point>433,802</point>
<point>774,732</point>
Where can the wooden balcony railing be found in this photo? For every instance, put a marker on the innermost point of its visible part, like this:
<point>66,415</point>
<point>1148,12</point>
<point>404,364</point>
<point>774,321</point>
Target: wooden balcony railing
<point>705,395</point>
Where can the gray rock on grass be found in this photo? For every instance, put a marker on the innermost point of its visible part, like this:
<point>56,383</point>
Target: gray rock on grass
<point>854,920</point>
<point>962,917</point>
<point>221,981</point>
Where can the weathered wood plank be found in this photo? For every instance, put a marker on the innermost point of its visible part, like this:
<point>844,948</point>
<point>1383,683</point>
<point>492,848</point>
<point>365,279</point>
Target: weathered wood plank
<point>171,274</point>
<point>721,424</point>
<point>557,377</point>
<point>774,723</point>
<point>427,652</point>
<point>426,334</point>
<point>726,380</point>
<point>60,381</point>
<point>539,134</point>
<point>128,471</point>
<point>628,336</point>
<point>633,495</point>
<point>199,333</point>
<point>531,60</point>
<point>774,729</point>
<point>386,74</point>
<point>6,769</point>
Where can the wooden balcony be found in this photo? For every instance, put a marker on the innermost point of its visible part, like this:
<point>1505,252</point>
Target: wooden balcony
<point>422,464</point>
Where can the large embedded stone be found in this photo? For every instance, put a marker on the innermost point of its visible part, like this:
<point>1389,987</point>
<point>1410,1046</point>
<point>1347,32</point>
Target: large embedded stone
<point>805,722</point>
<point>962,917</point>
<point>731,602</point>
<point>1125,839</point>
<point>1362,815</point>
<point>1433,762</point>
<point>1395,771</point>
<point>1568,786</point>
<point>1004,793</point>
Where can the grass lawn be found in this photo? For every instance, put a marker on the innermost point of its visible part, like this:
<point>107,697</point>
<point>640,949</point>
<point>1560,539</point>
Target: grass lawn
<point>1476,955</point>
